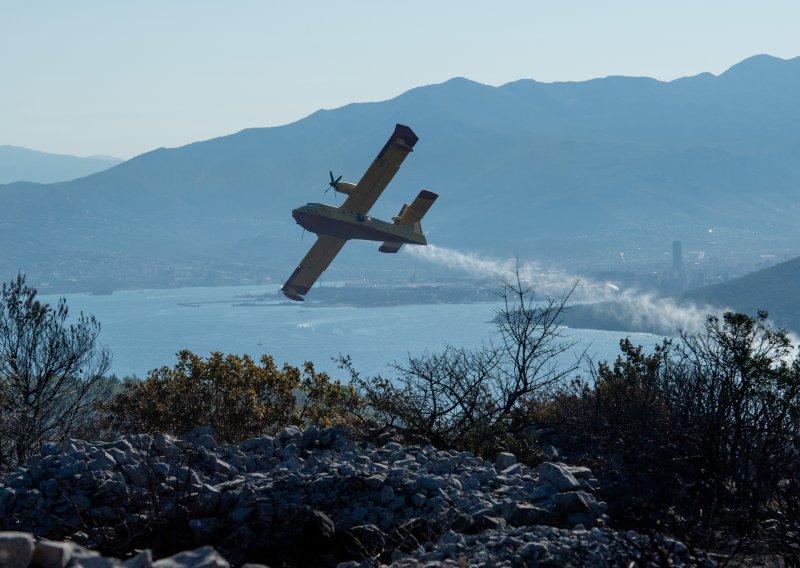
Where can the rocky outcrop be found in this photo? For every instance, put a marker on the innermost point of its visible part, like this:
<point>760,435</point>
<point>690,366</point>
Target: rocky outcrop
<point>546,546</point>
<point>524,546</point>
<point>302,497</point>
<point>20,550</point>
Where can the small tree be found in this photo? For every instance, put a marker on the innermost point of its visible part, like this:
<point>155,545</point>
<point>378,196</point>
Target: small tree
<point>472,398</point>
<point>234,395</point>
<point>739,386</point>
<point>51,372</point>
<point>702,435</point>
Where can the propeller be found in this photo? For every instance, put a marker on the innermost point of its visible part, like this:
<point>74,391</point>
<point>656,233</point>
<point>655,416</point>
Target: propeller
<point>333,182</point>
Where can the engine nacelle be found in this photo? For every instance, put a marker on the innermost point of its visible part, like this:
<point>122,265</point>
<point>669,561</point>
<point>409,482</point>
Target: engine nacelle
<point>346,187</point>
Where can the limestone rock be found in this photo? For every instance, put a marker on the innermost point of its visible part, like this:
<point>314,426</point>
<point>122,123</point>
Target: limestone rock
<point>48,554</point>
<point>202,436</point>
<point>288,434</point>
<point>263,445</point>
<point>557,474</point>
<point>142,560</point>
<point>286,499</point>
<point>504,460</point>
<point>524,514</point>
<point>203,557</point>
<point>16,549</point>
<point>572,502</point>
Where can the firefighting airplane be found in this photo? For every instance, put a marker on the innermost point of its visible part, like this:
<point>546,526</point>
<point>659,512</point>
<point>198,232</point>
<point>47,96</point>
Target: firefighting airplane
<point>334,226</point>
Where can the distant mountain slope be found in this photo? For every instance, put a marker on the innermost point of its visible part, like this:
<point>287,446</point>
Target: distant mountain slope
<point>773,289</point>
<point>23,164</point>
<point>574,173</point>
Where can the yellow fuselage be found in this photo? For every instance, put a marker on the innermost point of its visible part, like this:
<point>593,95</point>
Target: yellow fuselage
<point>327,220</point>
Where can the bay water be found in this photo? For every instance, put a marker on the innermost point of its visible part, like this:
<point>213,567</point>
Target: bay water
<point>144,329</point>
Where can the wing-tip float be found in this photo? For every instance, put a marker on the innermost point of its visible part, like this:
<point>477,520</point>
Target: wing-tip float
<point>334,226</point>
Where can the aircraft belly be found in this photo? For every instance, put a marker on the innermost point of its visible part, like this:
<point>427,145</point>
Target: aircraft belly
<point>347,229</point>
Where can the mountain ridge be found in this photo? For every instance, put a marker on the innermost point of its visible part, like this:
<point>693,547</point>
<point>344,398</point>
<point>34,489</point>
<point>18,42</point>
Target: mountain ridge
<point>772,289</point>
<point>570,173</point>
<point>24,164</point>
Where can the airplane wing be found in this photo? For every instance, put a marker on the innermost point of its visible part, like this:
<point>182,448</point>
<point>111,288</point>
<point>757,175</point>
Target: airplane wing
<point>381,171</point>
<point>312,266</point>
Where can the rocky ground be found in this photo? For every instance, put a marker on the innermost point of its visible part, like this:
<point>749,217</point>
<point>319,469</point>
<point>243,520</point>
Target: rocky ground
<point>313,498</point>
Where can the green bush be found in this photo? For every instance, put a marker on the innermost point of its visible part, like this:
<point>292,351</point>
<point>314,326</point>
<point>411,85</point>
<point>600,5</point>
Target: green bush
<point>235,396</point>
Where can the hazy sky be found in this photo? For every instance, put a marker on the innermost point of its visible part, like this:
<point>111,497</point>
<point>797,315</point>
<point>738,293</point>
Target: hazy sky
<point>91,77</point>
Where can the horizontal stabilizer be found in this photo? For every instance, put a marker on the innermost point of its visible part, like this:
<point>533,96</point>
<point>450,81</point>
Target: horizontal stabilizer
<point>390,247</point>
<point>414,213</point>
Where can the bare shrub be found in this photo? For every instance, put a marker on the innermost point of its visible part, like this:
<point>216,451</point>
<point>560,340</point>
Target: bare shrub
<point>700,436</point>
<point>471,398</point>
<point>51,372</point>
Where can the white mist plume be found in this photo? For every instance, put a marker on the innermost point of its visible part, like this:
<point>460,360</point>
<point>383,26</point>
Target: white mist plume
<point>644,311</point>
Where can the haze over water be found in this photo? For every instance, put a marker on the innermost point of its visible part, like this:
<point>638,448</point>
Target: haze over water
<point>145,328</point>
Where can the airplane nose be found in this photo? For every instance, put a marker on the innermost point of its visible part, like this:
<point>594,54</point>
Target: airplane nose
<point>302,217</point>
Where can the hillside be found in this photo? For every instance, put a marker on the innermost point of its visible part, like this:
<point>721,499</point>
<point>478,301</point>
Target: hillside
<point>569,173</point>
<point>23,164</point>
<point>772,289</point>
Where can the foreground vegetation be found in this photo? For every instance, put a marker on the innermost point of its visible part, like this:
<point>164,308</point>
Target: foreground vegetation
<point>238,398</point>
<point>699,439</point>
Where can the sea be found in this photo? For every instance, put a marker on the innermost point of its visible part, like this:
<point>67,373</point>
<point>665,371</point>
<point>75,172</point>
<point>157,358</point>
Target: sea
<point>144,329</point>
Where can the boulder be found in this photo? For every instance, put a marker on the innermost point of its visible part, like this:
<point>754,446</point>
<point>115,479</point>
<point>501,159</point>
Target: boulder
<point>551,452</point>
<point>557,474</point>
<point>142,560</point>
<point>376,481</point>
<point>430,482</point>
<point>580,472</point>
<point>202,436</point>
<point>504,460</point>
<point>525,514</point>
<point>310,436</point>
<point>203,557</point>
<point>573,502</point>
<point>48,554</point>
<point>387,494</point>
<point>290,433</point>
<point>488,522</point>
<point>514,469</point>
<point>263,445</point>
<point>16,549</point>
<point>165,445</point>
<point>441,466</point>
<point>101,460</point>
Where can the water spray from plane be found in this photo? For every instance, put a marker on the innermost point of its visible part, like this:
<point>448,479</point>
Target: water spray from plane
<point>643,310</point>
